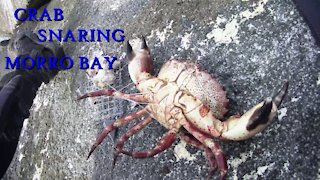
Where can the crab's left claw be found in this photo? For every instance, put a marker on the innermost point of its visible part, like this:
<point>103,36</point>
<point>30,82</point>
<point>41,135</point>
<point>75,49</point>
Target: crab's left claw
<point>255,120</point>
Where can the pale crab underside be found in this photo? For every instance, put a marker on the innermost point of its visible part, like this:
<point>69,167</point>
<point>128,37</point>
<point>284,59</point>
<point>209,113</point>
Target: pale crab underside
<point>189,103</point>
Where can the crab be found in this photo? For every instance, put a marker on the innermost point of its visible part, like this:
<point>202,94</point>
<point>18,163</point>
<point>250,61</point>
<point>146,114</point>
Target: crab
<point>188,102</point>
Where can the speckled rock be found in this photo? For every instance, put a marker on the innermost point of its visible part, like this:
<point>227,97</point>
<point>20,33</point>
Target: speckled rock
<point>249,46</point>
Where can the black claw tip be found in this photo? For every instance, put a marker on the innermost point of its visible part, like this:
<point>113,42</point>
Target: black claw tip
<point>91,150</point>
<point>88,156</point>
<point>277,99</point>
<point>144,43</point>
<point>261,115</point>
<point>129,48</point>
<point>115,157</point>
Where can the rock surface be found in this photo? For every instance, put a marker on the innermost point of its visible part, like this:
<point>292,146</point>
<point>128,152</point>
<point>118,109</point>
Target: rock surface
<point>8,20</point>
<point>250,47</point>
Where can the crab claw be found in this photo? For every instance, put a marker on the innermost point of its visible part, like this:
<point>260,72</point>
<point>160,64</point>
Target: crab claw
<point>140,62</point>
<point>255,120</point>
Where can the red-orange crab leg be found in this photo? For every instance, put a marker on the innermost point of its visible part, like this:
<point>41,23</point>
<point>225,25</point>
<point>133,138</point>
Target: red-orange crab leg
<point>165,143</point>
<point>205,140</point>
<point>111,92</point>
<point>119,122</point>
<point>189,139</point>
<point>133,130</point>
<point>211,161</point>
<point>215,148</point>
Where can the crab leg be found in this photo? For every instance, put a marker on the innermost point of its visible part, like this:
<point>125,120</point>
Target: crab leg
<point>133,130</point>
<point>111,92</point>
<point>215,148</point>
<point>204,139</point>
<point>165,143</point>
<point>119,122</point>
<point>189,139</point>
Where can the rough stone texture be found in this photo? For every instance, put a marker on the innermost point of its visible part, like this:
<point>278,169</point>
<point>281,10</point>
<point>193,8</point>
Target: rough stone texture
<point>250,47</point>
<point>8,20</point>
